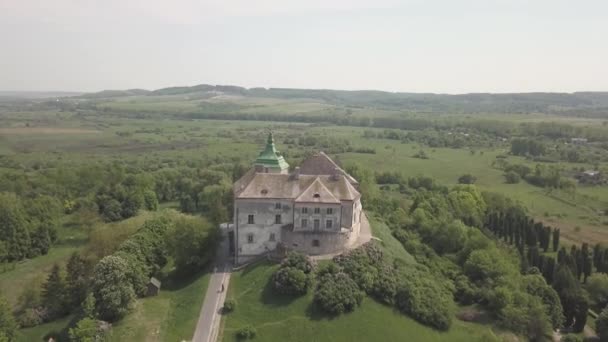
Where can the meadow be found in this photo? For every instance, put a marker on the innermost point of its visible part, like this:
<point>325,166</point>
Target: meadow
<point>157,130</point>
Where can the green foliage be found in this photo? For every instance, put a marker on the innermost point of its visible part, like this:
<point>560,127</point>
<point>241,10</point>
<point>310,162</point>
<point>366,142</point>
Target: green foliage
<point>512,177</point>
<point>597,287</point>
<point>114,295</point>
<point>54,294</point>
<point>523,147</point>
<point>247,332</point>
<point>467,179</point>
<point>571,338</point>
<point>8,326</point>
<point>601,325</point>
<point>192,243</point>
<point>14,229</point>
<point>78,271</point>
<point>84,331</point>
<point>337,293</point>
<point>424,299</point>
<point>229,306</point>
<point>290,280</point>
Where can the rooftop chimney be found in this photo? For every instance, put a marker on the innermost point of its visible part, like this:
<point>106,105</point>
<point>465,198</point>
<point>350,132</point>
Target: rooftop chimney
<point>337,173</point>
<point>296,173</point>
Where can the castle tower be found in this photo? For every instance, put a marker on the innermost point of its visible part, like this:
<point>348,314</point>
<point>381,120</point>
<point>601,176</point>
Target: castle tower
<point>270,160</point>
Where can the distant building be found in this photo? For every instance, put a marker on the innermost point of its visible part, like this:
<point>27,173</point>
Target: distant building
<point>578,141</point>
<point>153,287</point>
<point>592,177</point>
<point>316,209</point>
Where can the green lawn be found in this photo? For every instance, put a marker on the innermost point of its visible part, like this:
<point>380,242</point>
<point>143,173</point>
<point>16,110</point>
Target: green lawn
<point>282,318</point>
<point>279,318</point>
<point>170,316</point>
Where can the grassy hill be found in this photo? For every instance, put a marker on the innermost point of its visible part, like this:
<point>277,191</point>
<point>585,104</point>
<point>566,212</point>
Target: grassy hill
<point>281,318</point>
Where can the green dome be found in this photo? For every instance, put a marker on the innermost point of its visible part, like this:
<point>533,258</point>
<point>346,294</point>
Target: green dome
<point>270,157</point>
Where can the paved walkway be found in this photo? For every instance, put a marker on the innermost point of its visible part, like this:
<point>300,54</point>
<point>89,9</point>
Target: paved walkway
<point>208,325</point>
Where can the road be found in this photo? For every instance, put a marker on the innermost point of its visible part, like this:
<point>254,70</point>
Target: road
<point>208,325</point>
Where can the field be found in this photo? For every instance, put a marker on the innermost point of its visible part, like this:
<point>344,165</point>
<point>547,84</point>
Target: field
<point>169,131</point>
<point>278,318</point>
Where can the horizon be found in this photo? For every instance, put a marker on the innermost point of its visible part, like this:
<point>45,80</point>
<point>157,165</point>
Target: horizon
<point>415,46</point>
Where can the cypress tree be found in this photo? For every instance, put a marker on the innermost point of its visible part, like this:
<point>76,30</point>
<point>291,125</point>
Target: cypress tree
<point>555,239</point>
<point>54,293</point>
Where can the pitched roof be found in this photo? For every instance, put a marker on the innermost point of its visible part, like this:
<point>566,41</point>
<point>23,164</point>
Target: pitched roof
<point>321,164</point>
<point>276,185</point>
<point>317,192</point>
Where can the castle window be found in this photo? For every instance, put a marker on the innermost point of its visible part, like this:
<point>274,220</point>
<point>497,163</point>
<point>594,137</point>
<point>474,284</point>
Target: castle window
<point>277,205</point>
<point>250,219</point>
<point>317,224</point>
<point>316,196</point>
<point>304,223</point>
<point>264,192</point>
<point>272,237</point>
<point>316,243</point>
<point>330,211</point>
<point>317,210</point>
<point>249,238</point>
<point>329,224</point>
<point>304,210</point>
<point>277,219</point>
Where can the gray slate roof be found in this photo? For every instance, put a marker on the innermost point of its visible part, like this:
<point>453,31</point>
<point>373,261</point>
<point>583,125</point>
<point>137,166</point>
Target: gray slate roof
<point>316,183</point>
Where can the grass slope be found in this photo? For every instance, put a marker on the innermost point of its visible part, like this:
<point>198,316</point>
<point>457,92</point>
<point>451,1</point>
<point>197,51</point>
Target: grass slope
<point>170,316</point>
<point>282,318</point>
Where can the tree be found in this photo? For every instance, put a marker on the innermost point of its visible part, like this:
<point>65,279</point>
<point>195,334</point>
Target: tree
<point>192,243</point>
<point>290,280</point>
<point>555,239</point>
<point>467,179</point>
<point>54,293</point>
<point>114,294</point>
<point>337,293</point>
<point>601,325</point>
<point>512,177</point>
<point>8,326</point>
<point>77,279</point>
<point>14,228</point>
<point>597,286</point>
<point>84,331</point>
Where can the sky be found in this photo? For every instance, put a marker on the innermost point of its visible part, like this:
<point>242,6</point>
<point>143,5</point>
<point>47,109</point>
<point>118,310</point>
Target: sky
<point>448,46</point>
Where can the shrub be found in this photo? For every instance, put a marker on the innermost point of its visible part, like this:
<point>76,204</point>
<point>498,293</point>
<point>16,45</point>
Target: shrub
<point>290,280</point>
<point>425,300</point>
<point>337,293</point>
<point>385,286</point>
<point>299,261</point>
<point>229,306</point>
<point>467,179</point>
<point>512,177</point>
<point>362,264</point>
<point>601,325</point>
<point>246,333</point>
<point>571,338</point>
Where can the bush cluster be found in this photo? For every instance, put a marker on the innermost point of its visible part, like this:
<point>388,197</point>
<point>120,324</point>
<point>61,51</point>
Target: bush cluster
<point>337,293</point>
<point>247,332</point>
<point>294,276</point>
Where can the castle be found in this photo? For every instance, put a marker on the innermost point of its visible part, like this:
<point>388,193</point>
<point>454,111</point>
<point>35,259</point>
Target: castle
<point>315,209</point>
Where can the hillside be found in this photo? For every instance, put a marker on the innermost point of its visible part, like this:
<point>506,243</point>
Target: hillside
<point>583,104</point>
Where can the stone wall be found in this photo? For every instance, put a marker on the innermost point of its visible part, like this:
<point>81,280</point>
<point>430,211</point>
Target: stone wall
<point>326,242</point>
<point>264,212</point>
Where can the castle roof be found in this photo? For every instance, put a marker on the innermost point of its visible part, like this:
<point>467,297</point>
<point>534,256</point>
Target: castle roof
<point>321,164</point>
<point>305,188</point>
<point>270,157</point>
